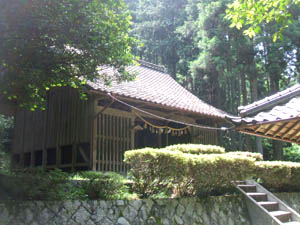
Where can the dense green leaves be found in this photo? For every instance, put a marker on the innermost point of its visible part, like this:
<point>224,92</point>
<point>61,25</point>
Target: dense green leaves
<point>253,14</point>
<point>281,176</point>
<point>6,132</point>
<point>45,43</point>
<point>218,63</point>
<point>161,170</point>
<point>196,149</point>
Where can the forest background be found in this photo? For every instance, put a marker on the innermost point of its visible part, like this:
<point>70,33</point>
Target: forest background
<point>219,64</point>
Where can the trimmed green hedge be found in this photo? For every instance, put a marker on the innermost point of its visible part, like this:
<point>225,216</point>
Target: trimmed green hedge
<point>185,170</point>
<point>154,170</point>
<point>196,149</point>
<point>281,176</point>
<point>256,156</point>
<point>161,170</point>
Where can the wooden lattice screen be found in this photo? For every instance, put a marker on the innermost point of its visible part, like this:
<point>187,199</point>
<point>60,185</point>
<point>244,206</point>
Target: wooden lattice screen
<point>114,137</point>
<point>204,136</point>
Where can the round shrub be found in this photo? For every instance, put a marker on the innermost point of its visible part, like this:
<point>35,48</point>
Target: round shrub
<point>196,149</point>
<point>106,186</point>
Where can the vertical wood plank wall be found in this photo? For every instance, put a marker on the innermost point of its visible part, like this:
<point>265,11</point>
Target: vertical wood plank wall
<point>63,128</point>
<point>74,134</point>
<point>114,135</point>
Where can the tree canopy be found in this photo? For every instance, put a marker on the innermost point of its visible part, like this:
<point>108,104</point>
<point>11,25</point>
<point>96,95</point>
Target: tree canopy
<point>49,43</point>
<point>253,14</point>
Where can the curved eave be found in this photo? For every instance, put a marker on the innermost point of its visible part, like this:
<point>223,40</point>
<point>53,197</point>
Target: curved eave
<point>220,117</point>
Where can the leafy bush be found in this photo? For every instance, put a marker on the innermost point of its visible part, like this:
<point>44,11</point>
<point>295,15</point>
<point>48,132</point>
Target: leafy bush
<point>154,170</point>
<point>37,184</point>
<point>6,131</point>
<point>213,174</point>
<point>292,153</point>
<point>97,185</point>
<point>256,156</point>
<point>196,149</point>
<point>281,176</point>
<point>159,170</point>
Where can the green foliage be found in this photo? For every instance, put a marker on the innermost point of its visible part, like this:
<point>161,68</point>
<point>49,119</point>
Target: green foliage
<point>196,149</point>
<point>36,184</point>
<point>155,24</point>
<point>292,153</point>
<point>256,156</point>
<point>253,14</point>
<point>159,170</point>
<point>97,185</point>
<point>153,170</point>
<point>215,173</point>
<point>6,131</point>
<point>281,176</point>
<point>58,43</point>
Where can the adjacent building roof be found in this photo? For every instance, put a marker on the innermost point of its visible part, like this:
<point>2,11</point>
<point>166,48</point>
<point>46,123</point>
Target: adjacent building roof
<point>277,116</point>
<point>152,84</point>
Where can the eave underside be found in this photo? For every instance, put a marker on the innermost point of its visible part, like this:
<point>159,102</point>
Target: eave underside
<point>283,130</point>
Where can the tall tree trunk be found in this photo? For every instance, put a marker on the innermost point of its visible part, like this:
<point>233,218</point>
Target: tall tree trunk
<point>276,145</point>
<point>254,95</point>
<point>244,90</point>
<point>248,145</point>
<point>277,150</point>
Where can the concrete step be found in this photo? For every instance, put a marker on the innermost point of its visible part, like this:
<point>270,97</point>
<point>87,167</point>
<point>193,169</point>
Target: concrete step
<point>259,197</point>
<point>283,216</point>
<point>292,223</point>
<point>247,187</point>
<point>270,206</point>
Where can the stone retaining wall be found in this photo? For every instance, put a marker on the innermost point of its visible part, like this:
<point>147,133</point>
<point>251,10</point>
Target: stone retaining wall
<point>291,199</point>
<point>222,210</point>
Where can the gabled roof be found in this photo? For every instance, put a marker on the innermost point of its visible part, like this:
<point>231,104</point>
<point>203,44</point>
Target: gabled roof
<point>276,116</point>
<point>270,101</point>
<point>154,85</point>
<point>280,106</point>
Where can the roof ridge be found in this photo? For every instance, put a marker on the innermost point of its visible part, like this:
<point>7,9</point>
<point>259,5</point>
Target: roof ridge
<point>269,101</point>
<point>153,66</point>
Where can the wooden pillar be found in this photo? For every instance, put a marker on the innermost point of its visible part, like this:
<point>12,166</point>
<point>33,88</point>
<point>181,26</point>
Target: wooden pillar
<point>45,126</point>
<point>58,156</point>
<point>167,139</point>
<point>23,140</point>
<point>14,145</point>
<point>159,140</point>
<point>132,146</point>
<point>74,156</point>
<point>93,135</point>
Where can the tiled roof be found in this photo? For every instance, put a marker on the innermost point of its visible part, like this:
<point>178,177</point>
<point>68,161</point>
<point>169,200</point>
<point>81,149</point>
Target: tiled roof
<point>153,85</point>
<point>268,102</point>
<point>280,106</point>
<point>286,111</point>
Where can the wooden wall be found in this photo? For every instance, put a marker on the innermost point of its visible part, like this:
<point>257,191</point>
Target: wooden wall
<point>62,131</point>
<point>114,135</point>
<point>74,134</point>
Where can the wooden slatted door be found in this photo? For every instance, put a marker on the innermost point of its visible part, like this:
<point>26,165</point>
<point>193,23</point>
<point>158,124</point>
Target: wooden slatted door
<point>114,137</point>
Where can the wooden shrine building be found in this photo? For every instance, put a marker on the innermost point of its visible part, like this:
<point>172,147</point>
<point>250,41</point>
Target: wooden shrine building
<point>276,117</point>
<point>75,134</point>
